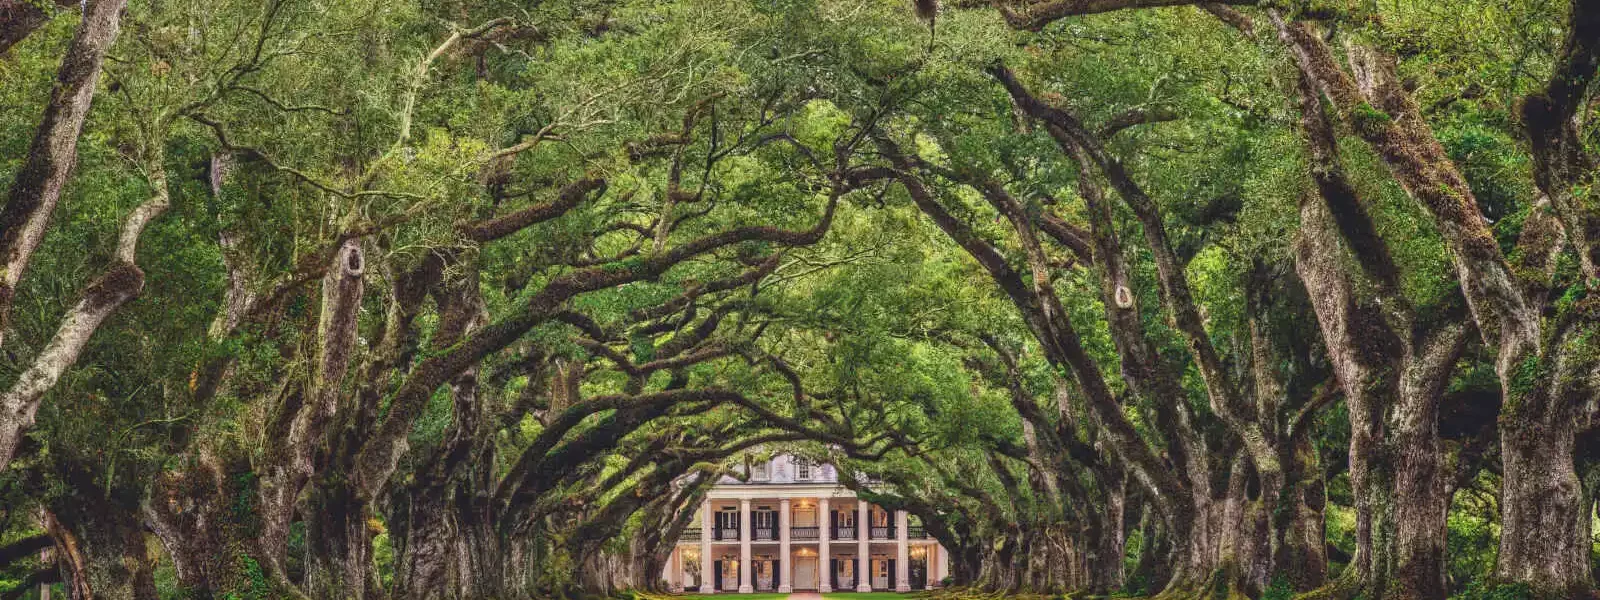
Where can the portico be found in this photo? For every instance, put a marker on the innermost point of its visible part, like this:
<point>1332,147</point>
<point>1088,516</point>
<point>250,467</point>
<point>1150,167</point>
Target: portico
<point>800,535</point>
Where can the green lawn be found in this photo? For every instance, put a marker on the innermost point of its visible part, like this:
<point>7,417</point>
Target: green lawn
<point>760,596</point>
<point>867,596</point>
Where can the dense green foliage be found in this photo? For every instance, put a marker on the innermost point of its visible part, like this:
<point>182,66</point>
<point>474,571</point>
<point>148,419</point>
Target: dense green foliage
<point>475,298</point>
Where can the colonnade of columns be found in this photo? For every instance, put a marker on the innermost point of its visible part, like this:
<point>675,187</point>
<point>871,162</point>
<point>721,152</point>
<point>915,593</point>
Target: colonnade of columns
<point>786,562</point>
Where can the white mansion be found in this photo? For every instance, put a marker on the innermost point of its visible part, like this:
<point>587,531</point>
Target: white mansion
<point>792,527</point>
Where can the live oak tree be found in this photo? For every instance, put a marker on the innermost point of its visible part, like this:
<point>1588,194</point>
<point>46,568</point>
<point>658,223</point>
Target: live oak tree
<point>478,299</point>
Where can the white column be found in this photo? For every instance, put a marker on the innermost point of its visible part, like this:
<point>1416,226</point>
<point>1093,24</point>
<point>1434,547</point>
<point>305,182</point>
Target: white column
<point>708,583</point>
<point>744,546</point>
<point>824,531</point>
<point>672,572</point>
<point>785,560</point>
<point>902,553</point>
<point>44,588</point>
<point>863,556</point>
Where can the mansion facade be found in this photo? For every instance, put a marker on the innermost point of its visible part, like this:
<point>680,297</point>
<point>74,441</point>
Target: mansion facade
<point>792,527</point>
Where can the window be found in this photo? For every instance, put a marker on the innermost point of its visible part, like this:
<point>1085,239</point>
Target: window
<point>802,468</point>
<point>758,471</point>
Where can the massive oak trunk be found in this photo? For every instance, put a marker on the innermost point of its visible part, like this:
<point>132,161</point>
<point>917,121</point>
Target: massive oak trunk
<point>1393,371</point>
<point>101,549</point>
<point>1544,518</point>
<point>1545,515</point>
<point>207,517</point>
<point>339,531</point>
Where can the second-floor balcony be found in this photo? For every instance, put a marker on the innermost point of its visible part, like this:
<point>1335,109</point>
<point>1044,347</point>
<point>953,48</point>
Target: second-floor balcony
<point>805,534</point>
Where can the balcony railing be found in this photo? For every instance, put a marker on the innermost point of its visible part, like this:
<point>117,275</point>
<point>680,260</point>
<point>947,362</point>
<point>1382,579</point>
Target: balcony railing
<point>803,534</point>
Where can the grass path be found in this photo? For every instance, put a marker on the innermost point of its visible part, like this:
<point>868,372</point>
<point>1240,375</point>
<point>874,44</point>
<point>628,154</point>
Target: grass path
<point>797,596</point>
<point>866,596</point>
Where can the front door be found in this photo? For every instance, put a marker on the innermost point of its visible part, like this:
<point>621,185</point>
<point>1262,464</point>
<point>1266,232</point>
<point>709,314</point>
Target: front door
<point>880,573</point>
<point>730,575</point>
<point>805,573</point>
<point>763,571</point>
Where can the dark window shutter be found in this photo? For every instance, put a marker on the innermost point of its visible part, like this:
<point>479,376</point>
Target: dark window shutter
<point>777,573</point>
<point>892,572</point>
<point>833,572</point>
<point>716,577</point>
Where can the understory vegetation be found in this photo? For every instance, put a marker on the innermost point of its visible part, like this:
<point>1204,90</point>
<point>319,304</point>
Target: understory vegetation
<point>470,299</point>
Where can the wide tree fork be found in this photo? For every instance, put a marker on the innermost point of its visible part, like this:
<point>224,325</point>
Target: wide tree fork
<point>1392,366</point>
<point>1539,361</point>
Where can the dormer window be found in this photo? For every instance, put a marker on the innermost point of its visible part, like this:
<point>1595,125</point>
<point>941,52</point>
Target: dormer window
<point>802,468</point>
<point>758,471</point>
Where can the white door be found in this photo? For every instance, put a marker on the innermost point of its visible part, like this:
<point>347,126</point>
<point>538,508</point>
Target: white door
<point>880,573</point>
<point>805,573</point>
<point>763,573</point>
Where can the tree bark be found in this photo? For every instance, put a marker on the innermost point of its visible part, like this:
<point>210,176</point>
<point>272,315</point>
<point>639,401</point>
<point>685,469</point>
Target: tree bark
<point>1393,382</point>
<point>205,516</point>
<point>18,18</point>
<point>37,188</point>
<point>339,532</point>
<point>120,282</point>
<point>102,549</point>
<point>1544,517</point>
